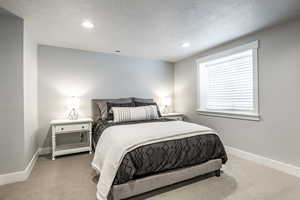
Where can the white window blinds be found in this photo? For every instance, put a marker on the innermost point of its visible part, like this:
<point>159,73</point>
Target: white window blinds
<point>228,83</point>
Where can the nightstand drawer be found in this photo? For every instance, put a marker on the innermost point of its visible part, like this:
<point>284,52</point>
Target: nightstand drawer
<point>72,128</point>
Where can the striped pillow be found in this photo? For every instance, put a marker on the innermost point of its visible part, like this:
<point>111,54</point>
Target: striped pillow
<point>124,114</point>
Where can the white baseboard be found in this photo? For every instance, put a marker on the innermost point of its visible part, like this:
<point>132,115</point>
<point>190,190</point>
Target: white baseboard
<point>20,175</point>
<point>283,167</point>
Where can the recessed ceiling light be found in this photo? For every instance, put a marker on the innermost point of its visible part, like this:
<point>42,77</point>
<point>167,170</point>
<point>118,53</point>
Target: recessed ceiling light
<point>87,24</point>
<point>186,44</point>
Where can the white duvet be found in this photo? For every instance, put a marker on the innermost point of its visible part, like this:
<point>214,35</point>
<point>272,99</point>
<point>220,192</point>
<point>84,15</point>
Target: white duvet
<point>116,141</point>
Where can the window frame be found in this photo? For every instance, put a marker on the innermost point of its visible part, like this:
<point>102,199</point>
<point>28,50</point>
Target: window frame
<point>252,115</point>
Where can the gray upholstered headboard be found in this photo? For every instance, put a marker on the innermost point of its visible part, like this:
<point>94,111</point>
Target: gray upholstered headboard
<point>95,104</point>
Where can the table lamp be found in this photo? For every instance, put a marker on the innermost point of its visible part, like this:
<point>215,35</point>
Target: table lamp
<point>73,107</point>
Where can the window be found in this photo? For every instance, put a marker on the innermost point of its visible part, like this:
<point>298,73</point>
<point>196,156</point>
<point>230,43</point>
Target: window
<point>228,83</point>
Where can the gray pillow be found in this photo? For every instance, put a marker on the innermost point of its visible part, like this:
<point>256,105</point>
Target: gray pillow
<point>102,105</point>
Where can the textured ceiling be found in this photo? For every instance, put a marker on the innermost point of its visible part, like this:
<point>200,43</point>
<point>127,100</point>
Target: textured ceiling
<point>151,29</point>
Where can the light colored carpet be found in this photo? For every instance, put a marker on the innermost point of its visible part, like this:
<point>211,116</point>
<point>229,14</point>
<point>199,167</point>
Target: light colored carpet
<point>71,178</point>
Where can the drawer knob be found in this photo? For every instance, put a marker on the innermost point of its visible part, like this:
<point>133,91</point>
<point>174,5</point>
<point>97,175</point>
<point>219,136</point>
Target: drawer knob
<point>82,126</point>
<point>62,128</point>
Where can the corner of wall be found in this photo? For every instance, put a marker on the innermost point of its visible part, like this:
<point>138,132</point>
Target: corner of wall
<point>30,95</point>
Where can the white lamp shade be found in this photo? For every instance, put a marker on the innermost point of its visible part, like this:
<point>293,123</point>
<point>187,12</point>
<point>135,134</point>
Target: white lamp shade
<point>166,101</point>
<point>73,103</point>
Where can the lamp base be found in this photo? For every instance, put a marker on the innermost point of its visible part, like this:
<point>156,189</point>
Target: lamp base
<point>73,115</point>
<point>165,110</point>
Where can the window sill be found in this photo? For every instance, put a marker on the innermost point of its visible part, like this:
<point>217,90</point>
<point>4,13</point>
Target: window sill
<point>232,115</point>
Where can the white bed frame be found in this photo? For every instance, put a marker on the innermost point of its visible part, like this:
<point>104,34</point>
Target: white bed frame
<point>150,183</point>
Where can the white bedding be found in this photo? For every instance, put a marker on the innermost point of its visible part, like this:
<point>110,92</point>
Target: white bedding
<point>116,141</point>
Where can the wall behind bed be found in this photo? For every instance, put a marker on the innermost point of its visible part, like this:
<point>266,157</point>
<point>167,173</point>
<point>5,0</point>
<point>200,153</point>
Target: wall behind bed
<point>63,73</point>
<point>276,136</point>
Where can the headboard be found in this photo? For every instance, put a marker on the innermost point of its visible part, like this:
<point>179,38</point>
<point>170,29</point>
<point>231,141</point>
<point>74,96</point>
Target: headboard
<point>96,114</point>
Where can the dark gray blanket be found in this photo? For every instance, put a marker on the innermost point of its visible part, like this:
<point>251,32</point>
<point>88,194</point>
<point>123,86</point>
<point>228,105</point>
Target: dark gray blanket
<point>163,156</point>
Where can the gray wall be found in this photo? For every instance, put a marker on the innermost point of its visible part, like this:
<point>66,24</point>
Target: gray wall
<point>63,73</point>
<point>30,95</point>
<point>11,90</point>
<point>277,135</point>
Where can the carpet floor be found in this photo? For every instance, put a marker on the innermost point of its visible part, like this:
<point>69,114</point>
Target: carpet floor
<point>72,178</point>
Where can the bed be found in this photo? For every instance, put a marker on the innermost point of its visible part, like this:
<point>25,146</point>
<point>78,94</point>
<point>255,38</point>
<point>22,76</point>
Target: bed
<point>134,157</point>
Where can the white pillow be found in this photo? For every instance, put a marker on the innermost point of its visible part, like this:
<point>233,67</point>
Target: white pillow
<point>123,114</point>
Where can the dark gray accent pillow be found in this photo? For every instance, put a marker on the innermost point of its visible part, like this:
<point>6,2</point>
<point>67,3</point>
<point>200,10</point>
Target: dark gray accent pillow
<point>141,100</point>
<point>110,115</point>
<point>102,105</point>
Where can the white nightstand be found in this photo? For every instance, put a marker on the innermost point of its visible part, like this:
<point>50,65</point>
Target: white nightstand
<point>66,126</point>
<point>176,116</point>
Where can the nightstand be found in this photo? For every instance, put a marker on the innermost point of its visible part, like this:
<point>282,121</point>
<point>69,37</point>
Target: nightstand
<point>66,126</point>
<point>176,116</point>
